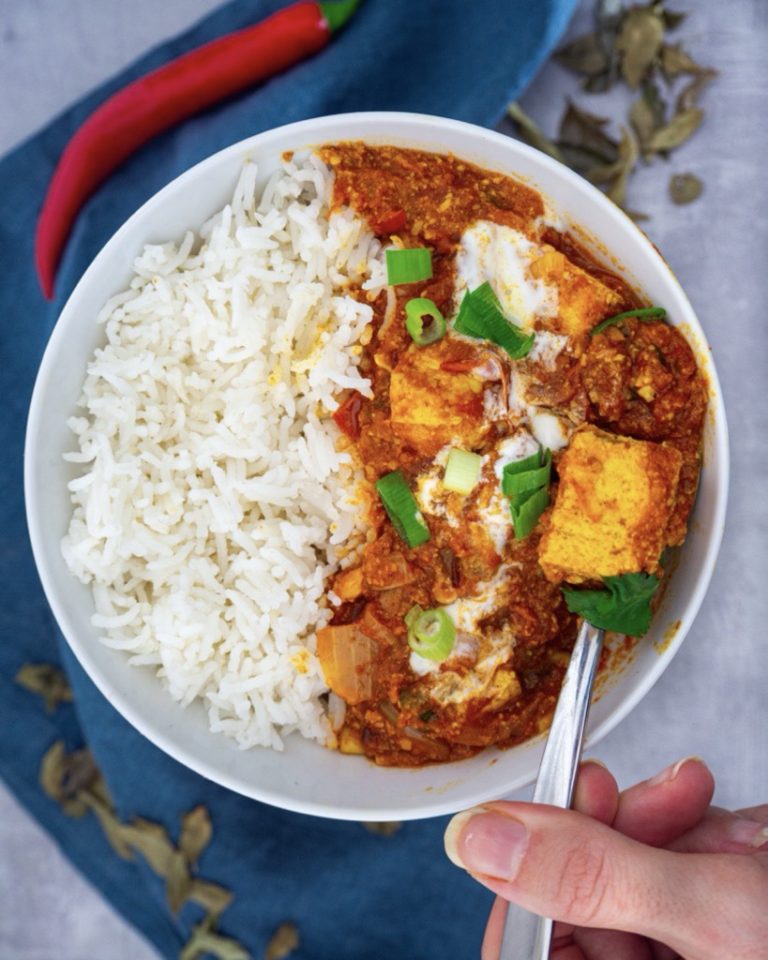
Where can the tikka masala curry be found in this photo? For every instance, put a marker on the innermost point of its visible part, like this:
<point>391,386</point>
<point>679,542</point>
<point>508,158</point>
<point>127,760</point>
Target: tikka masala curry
<point>528,451</point>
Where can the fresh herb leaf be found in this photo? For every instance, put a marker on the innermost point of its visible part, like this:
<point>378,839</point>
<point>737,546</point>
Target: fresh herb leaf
<point>283,942</point>
<point>624,607</point>
<point>685,188</point>
<point>47,681</point>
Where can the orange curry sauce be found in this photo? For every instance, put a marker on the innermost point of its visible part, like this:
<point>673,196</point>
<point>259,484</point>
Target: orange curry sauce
<point>393,716</point>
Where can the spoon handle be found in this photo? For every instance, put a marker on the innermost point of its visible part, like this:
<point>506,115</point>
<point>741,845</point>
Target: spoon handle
<point>528,936</point>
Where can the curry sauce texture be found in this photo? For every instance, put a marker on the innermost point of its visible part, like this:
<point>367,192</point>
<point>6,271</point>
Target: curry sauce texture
<point>618,413</point>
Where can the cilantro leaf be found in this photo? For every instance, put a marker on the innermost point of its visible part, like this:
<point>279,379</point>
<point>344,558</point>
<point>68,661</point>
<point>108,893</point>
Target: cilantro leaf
<point>624,607</point>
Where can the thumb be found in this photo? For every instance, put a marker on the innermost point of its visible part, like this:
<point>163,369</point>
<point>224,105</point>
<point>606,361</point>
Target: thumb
<point>561,864</point>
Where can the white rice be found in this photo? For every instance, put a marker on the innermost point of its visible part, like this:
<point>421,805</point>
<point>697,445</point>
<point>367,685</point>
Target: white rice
<point>214,503</point>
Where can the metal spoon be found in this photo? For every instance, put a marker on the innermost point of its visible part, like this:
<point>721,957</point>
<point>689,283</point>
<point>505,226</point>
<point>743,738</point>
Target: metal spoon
<point>528,936</point>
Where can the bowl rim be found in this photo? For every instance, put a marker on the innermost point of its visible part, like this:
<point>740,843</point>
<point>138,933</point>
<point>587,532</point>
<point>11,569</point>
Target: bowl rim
<point>363,125</point>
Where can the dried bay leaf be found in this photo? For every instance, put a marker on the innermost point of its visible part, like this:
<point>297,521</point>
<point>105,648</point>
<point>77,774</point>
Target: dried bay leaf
<point>584,130</point>
<point>196,832</point>
<point>674,133</point>
<point>284,941</point>
<point>689,95</point>
<point>47,681</point>
<point>177,882</point>
<point>114,830</point>
<point>531,132</point>
<point>386,828</point>
<point>615,175</point>
<point>675,61</point>
<point>212,896</point>
<point>647,114</point>
<point>204,940</point>
<point>685,188</point>
<point>585,55</point>
<point>672,19</point>
<point>638,42</point>
<point>153,843</point>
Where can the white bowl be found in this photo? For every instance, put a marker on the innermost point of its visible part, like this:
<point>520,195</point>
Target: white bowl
<point>306,777</point>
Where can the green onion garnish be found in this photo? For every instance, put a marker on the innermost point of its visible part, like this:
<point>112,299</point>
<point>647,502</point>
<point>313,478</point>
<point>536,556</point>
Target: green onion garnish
<point>480,315</point>
<point>402,508</point>
<point>526,483</point>
<point>625,606</point>
<point>643,313</point>
<point>462,471</point>
<point>408,266</point>
<point>524,475</point>
<point>424,321</point>
<point>431,633</point>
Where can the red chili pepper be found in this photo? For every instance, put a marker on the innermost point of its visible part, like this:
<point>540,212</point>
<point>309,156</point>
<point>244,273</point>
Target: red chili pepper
<point>347,417</point>
<point>391,222</point>
<point>168,95</point>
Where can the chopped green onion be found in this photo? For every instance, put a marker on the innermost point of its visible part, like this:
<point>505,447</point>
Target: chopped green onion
<point>424,321</point>
<point>480,315</point>
<point>625,606</point>
<point>527,509</point>
<point>431,633</point>
<point>643,313</point>
<point>462,471</point>
<point>526,484</point>
<point>516,481</point>
<point>402,508</point>
<point>409,265</point>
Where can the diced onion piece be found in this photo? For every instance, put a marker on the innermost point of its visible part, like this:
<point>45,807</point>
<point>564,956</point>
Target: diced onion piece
<point>423,321</point>
<point>409,265</point>
<point>402,508</point>
<point>462,471</point>
<point>528,509</point>
<point>480,315</point>
<point>643,313</point>
<point>431,633</point>
<point>346,657</point>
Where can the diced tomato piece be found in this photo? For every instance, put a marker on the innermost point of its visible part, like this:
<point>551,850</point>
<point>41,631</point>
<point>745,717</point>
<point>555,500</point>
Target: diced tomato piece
<point>347,417</point>
<point>391,222</point>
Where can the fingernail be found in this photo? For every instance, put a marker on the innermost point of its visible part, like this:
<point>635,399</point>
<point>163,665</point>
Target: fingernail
<point>485,841</point>
<point>597,763</point>
<point>749,833</point>
<point>669,773</point>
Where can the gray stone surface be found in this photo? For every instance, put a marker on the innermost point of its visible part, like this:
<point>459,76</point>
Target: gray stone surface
<point>712,700</point>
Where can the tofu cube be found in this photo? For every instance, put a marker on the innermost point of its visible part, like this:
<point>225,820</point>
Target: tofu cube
<point>612,509</point>
<point>583,301</point>
<point>437,396</point>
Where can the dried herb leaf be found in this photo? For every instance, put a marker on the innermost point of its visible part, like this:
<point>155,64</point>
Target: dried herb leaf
<point>47,681</point>
<point>672,19</point>
<point>677,131</point>
<point>196,832</point>
<point>638,42</point>
<point>114,830</point>
<point>675,61</point>
<point>585,55</point>
<point>212,896</point>
<point>584,130</point>
<point>689,95</point>
<point>685,188</point>
<point>204,940</point>
<point>153,843</point>
<point>384,828</point>
<point>615,175</point>
<point>647,114</point>
<point>531,132</point>
<point>177,882</point>
<point>284,941</point>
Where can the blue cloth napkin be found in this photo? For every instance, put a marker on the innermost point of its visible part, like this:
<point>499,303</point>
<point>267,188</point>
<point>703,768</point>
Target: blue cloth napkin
<point>353,895</point>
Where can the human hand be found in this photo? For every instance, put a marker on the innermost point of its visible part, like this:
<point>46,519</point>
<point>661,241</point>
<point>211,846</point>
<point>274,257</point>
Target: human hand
<point>652,873</point>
